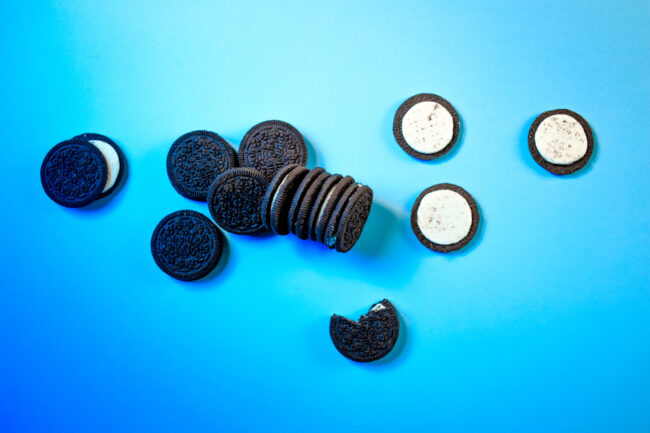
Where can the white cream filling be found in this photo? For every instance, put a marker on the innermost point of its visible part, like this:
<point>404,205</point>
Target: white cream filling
<point>377,307</point>
<point>561,139</point>
<point>444,217</point>
<point>112,161</point>
<point>428,127</point>
<point>276,193</point>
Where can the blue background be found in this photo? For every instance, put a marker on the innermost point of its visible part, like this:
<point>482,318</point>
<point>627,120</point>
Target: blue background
<point>541,324</point>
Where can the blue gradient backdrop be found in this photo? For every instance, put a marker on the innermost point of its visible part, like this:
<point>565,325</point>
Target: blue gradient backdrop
<point>541,325</point>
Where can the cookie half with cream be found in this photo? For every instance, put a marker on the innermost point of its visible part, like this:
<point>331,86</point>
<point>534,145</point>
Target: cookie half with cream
<point>115,160</point>
<point>426,126</point>
<point>561,141</point>
<point>444,217</point>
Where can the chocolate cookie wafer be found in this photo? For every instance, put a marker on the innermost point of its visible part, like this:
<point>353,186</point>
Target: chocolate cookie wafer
<point>333,223</point>
<point>300,194</point>
<point>270,193</point>
<point>195,160</point>
<point>327,187</point>
<point>271,145</point>
<point>186,245</point>
<point>328,206</point>
<point>282,200</point>
<point>301,227</point>
<point>353,220</point>
<point>235,200</point>
<point>74,173</point>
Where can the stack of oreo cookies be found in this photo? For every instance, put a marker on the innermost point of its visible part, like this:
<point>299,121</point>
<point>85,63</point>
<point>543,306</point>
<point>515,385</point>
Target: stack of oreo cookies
<point>316,205</point>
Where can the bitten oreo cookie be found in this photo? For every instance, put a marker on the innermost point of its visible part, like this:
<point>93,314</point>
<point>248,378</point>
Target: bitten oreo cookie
<point>270,193</point>
<point>271,145</point>
<point>444,217</point>
<point>235,200</point>
<point>186,245</point>
<point>74,173</point>
<point>329,205</point>
<point>115,159</point>
<point>352,220</point>
<point>426,126</point>
<point>195,160</point>
<point>282,200</point>
<point>371,338</point>
<point>302,219</point>
<point>561,141</point>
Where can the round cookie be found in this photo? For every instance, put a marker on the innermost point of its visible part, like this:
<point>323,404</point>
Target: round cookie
<point>444,217</point>
<point>300,194</point>
<point>371,338</point>
<point>195,160</point>
<point>282,200</point>
<point>333,223</point>
<point>186,245</point>
<point>270,193</point>
<point>353,219</point>
<point>328,206</point>
<point>561,141</point>
<point>307,204</point>
<point>323,194</point>
<point>235,200</point>
<point>426,126</point>
<point>270,145</point>
<point>74,173</point>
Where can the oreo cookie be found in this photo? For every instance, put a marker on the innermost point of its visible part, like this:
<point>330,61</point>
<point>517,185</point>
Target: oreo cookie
<point>300,194</point>
<point>319,202</point>
<point>282,200</point>
<point>561,141</point>
<point>301,223</point>
<point>195,160</point>
<point>271,145</point>
<point>186,245</point>
<point>353,220</point>
<point>331,200</point>
<point>444,217</point>
<point>426,126</point>
<point>270,194</point>
<point>235,200</point>
<point>332,225</point>
<point>370,338</point>
<point>74,173</point>
<point>115,159</point>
